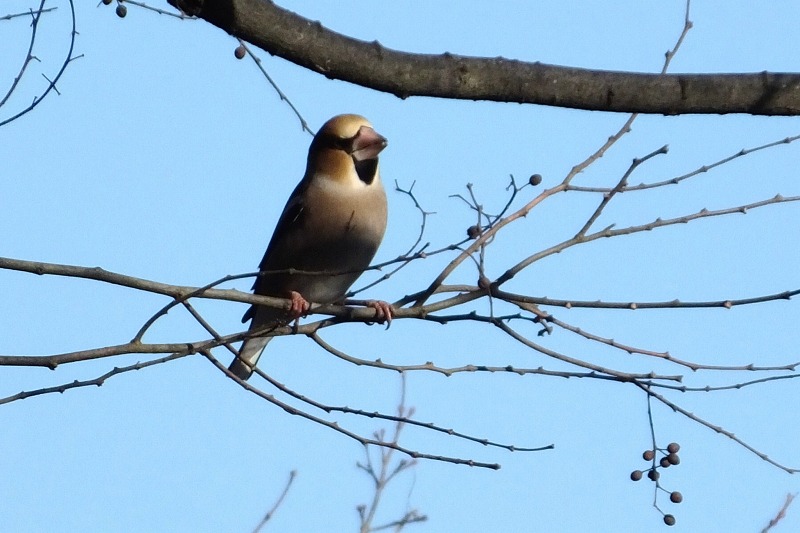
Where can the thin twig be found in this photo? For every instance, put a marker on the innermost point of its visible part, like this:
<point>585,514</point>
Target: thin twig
<point>278,502</point>
<point>281,94</point>
<point>336,427</point>
<point>595,373</point>
<point>611,373</point>
<point>632,306</point>
<point>655,224</point>
<point>179,15</point>
<point>781,513</point>
<point>709,388</point>
<point>36,15</point>
<point>385,473</point>
<point>28,13</point>
<point>700,170</point>
<point>718,429</point>
<point>618,188</point>
<point>666,355</point>
<point>96,382</point>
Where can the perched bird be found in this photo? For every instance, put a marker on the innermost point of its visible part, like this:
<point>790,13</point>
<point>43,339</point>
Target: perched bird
<point>329,230</point>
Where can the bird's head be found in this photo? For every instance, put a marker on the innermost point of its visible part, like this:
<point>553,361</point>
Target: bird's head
<point>345,143</point>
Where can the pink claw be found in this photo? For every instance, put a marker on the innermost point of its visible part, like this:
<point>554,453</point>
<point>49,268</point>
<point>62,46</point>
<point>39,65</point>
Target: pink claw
<point>383,311</point>
<point>300,305</point>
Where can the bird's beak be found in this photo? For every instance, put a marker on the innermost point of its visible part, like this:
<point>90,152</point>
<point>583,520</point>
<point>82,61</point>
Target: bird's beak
<point>367,144</point>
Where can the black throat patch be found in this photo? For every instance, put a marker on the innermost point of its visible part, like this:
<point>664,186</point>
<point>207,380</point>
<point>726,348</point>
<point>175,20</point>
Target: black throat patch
<point>366,169</point>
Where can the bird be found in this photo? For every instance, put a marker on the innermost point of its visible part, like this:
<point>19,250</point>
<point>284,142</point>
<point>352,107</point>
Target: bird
<point>327,234</point>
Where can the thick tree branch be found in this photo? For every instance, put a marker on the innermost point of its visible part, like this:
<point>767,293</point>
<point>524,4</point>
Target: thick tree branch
<point>309,44</point>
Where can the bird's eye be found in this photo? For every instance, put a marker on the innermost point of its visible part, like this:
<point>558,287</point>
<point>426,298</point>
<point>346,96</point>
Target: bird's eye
<point>341,144</point>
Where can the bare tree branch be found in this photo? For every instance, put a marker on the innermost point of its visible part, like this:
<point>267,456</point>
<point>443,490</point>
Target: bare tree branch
<point>781,513</point>
<point>51,86</point>
<point>719,429</point>
<point>386,472</point>
<point>701,170</point>
<point>336,427</point>
<point>309,44</point>
<point>96,382</point>
<point>667,304</point>
<point>278,502</point>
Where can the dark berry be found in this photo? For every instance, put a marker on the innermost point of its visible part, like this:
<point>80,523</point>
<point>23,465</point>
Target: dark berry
<point>636,475</point>
<point>535,179</point>
<point>653,475</point>
<point>239,52</point>
<point>122,11</point>
<point>675,497</point>
<point>673,447</point>
<point>648,455</point>
<point>669,519</point>
<point>673,459</point>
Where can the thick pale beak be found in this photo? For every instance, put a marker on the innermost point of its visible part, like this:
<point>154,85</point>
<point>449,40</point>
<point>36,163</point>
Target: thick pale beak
<point>367,144</point>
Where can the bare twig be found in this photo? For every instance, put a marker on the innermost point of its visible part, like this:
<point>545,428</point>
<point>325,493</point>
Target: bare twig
<point>596,372</point>
<point>687,25</point>
<point>632,306</point>
<point>28,13</point>
<point>400,419</point>
<point>410,255</point>
<point>733,386</point>
<point>36,16</point>
<point>630,230</point>
<point>281,94</point>
<point>666,355</point>
<point>700,170</point>
<point>615,375</point>
<point>96,382</point>
<point>781,513</point>
<point>386,472</point>
<point>177,15</point>
<point>278,502</point>
<point>718,429</point>
<point>336,427</point>
<point>618,188</point>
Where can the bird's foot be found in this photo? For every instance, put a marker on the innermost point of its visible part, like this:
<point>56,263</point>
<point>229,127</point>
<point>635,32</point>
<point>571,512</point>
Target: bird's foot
<point>384,312</point>
<point>299,307</point>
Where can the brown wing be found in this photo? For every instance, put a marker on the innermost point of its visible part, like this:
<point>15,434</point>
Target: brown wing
<point>289,223</point>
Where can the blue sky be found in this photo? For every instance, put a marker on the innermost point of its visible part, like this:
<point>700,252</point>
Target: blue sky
<point>165,158</point>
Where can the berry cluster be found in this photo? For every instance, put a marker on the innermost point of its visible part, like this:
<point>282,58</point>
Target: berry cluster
<point>121,10</point>
<point>669,457</point>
